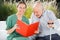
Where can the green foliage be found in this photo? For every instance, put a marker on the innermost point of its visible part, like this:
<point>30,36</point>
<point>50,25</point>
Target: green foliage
<point>11,8</point>
<point>1,1</point>
<point>28,11</point>
<point>6,9</point>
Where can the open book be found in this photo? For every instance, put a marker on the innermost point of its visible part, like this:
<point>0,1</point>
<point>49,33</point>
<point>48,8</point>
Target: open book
<point>26,29</point>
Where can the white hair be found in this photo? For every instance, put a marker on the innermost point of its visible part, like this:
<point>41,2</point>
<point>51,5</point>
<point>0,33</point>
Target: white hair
<point>36,3</point>
<point>41,6</point>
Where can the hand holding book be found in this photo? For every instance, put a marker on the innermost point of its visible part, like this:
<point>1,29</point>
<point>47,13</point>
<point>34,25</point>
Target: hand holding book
<point>26,30</point>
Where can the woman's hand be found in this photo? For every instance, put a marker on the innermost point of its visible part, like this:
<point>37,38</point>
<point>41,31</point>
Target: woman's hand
<point>12,29</point>
<point>15,26</point>
<point>37,31</point>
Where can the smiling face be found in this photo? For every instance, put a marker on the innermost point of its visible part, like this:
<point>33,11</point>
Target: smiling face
<point>21,8</point>
<point>38,10</point>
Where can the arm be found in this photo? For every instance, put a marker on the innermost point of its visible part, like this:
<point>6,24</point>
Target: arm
<point>34,19</point>
<point>9,31</point>
<point>9,28</point>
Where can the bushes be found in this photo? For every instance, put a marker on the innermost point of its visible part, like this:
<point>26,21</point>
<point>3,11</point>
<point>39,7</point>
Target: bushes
<point>6,9</point>
<point>28,11</point>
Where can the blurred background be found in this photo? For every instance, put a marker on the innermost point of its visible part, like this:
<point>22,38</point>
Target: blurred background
<point>8,7</point>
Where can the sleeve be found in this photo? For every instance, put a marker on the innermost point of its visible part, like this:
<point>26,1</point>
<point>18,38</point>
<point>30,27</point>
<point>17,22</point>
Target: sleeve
<point>27,21</point>
<point>8,23</point>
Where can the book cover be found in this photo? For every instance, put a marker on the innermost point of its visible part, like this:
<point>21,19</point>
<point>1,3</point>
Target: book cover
<point>25,29</point>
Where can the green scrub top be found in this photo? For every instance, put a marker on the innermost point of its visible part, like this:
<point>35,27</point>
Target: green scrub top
<point>11,21</point>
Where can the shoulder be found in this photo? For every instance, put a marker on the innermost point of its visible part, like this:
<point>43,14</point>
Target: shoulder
<point>11,16</point>
<point>25,19</point>
<point>33,15</point>
<point>49,12</point>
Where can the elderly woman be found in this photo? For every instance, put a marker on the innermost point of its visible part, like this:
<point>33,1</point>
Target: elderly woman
<point>11,22</point>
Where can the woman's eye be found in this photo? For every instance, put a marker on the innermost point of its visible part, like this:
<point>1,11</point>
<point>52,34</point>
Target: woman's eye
<point>22,7</point>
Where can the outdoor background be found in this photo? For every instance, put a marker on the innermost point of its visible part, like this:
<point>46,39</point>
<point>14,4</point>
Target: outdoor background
<point>8,7</point>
